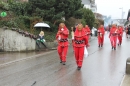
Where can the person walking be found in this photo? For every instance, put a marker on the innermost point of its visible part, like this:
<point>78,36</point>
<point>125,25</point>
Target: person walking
<point>101,33</point>
<point>62,38</point>
<point>87,31</point>
<point>80,42</point>
<point>113,36</point>
<point>120,28</point>
<point>128,32</point>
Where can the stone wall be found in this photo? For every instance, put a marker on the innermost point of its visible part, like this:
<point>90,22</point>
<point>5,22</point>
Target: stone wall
<point>13,41</point>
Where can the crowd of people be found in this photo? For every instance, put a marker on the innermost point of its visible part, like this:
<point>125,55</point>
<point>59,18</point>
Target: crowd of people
<point>80,40</point>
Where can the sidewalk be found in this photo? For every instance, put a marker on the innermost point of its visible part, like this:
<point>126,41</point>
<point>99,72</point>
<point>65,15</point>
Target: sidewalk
<point>126,81</point>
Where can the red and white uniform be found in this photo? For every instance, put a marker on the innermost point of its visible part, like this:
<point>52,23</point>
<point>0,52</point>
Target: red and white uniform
<point>88,32</point>
<point>80,41</point>
<point>120,35</point>
<point>113,36</point>
<point>62,38</point>
<point>101,33</point>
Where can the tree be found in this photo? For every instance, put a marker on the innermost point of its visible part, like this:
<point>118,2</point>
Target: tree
<point>51,11</point>
<point>71,8</point>
<point>88,17</point>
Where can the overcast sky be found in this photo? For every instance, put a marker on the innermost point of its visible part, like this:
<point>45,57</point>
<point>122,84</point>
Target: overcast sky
<point>111,7</point>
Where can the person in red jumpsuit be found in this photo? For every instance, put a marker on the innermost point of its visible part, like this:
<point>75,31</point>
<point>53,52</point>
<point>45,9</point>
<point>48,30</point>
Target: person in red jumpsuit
<point>87,31</point>
<point>120,28</point>
<point>101,33</point>
<point>80,41</point>
<point>62,38</point>
<point>113,36</point>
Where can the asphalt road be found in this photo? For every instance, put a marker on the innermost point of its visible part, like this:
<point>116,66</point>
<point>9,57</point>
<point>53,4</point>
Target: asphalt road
<point>103,67</point>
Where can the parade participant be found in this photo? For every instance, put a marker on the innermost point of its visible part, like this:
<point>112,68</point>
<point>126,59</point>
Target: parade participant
<point>41,39</point>
<point>120,28</point>
<point>62,38</point>
<point>128,31</point>
<point>101,33</point>
<point>75,27</point>
<point>113,36</point>
<point>81,41</point>
<point>87,31</point>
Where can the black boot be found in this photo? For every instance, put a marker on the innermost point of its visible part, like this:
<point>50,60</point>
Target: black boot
<point>78,68</point>
<point>114,48</point>
<point>99,45</point>
<point>63,63</point>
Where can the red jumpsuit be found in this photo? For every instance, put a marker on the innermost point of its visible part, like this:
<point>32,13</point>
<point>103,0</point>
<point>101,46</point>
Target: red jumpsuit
<point>87,31</point>
<point>113,37</point>
<point>101,33</point>
<point>80,41</point>
<point>120,35</point>
<point>62,43</point>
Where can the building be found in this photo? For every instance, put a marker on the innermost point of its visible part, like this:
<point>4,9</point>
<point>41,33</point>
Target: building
<point>119,21</point>
<point>128,17</point>
<point>99,16</point>
<point>90,4</point>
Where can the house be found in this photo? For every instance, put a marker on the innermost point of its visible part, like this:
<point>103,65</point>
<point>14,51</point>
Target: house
<point>90,4</point>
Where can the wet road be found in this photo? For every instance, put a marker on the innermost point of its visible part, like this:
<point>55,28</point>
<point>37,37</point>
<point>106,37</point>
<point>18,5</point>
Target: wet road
<point>103,67</point>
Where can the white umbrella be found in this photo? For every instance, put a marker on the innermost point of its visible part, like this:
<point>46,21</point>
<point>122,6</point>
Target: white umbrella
<point>41,25</point>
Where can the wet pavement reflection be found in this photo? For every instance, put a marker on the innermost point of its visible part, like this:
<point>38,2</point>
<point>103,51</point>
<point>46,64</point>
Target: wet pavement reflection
<point>11,56</point>
<point>103,67</point>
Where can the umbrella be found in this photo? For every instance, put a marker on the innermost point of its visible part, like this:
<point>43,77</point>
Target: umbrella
<point>41,25</point>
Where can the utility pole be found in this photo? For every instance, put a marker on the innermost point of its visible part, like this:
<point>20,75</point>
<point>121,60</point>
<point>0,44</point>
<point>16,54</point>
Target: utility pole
<point>121,14</point>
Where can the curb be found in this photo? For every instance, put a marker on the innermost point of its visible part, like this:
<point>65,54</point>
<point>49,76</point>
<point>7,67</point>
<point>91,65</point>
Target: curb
<point>31,57</point>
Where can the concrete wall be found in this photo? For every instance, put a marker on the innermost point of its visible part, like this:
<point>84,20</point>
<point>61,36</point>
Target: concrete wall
<point>13,41</point>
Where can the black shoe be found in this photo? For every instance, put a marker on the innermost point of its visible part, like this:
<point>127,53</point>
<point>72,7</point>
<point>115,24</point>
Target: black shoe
<point>63,63</point>
<point>98,45</point>
<point>102,45</point>
<point>118,44</point>
<point>79,68</point>
<point>60,61</point>
<point>114,48</point>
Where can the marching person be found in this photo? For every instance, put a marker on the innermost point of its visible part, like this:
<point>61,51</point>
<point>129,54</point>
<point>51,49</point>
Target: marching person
<point>101,33</point>
<point>81,41</point>
<point>113,36</point>
<point>120,28</point>
<point>62,38</point>
<point>128,32</point>
<point>87,31</point>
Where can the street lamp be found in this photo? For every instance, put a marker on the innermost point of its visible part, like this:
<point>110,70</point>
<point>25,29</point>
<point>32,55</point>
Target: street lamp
<point>122,14</point>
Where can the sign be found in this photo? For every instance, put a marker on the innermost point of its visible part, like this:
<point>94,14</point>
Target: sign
<point>3,14</point>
